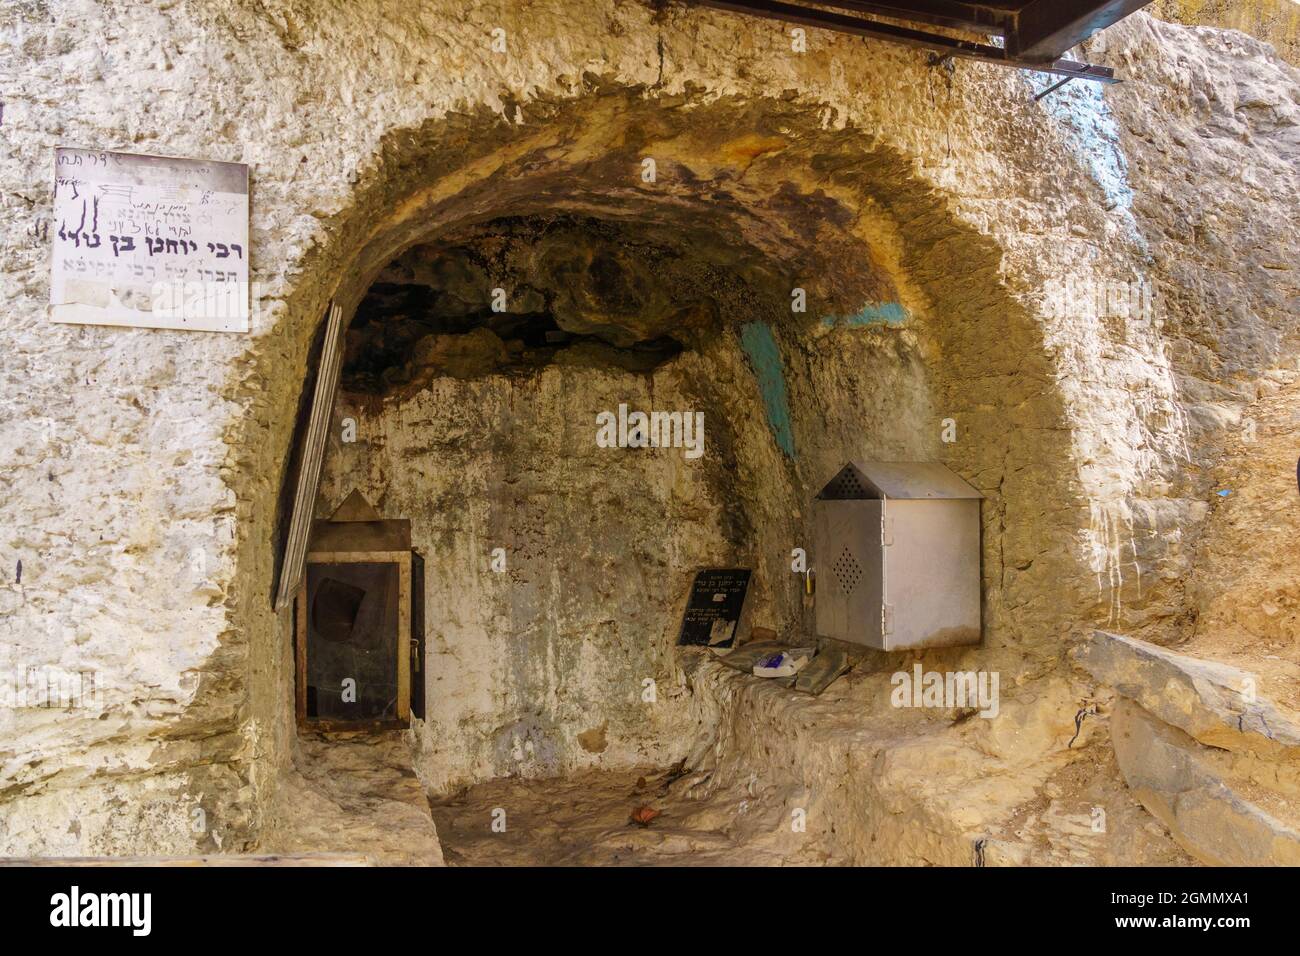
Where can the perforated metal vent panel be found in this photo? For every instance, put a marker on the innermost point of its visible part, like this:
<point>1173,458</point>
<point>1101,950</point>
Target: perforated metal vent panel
<point>847,570</point>
<point>846,542</point>
<point>847,484</point>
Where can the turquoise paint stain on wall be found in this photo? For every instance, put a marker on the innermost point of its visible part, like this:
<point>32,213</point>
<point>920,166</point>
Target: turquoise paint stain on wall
<point>765,359</point>
<point>876,313</point>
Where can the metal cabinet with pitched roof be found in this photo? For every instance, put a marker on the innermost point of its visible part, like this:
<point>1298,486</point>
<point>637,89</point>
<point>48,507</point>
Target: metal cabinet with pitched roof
<point>896,548</point>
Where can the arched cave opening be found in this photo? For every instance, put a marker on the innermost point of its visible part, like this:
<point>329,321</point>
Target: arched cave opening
<point>476,370</point>
<point>488,332</point>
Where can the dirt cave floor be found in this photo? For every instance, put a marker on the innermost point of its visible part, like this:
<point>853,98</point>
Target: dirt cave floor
<point>356,793</point>
<point>359,794</point>
<point>586,819</point>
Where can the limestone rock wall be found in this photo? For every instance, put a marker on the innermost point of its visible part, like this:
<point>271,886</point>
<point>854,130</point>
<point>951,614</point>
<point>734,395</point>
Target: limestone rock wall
<point>1276,22</point>
<point>142,468</point>
<point>538,668</point>
<point>1220,104</point>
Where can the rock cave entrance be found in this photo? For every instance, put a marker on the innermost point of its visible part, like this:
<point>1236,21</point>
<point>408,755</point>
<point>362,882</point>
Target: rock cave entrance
<point>478,370</point>
<point>494,318</point>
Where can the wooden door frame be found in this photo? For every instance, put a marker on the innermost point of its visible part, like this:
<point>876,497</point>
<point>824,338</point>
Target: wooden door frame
<point>403,561</point>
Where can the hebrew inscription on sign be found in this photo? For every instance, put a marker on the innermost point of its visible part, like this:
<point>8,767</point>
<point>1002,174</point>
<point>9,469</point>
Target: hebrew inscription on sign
<point>149,241</point>
<point>713,609</point>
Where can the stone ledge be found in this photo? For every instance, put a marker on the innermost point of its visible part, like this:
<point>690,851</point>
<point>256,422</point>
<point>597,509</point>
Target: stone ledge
<point>917,787</point>
<point>1202,698</point>
<point>1175,779</point>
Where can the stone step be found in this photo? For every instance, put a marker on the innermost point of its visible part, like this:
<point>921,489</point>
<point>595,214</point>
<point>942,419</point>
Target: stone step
<point>1217,704</point>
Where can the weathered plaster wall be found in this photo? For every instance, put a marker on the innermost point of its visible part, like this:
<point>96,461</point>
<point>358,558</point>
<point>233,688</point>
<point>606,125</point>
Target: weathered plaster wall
<point>131,454</point>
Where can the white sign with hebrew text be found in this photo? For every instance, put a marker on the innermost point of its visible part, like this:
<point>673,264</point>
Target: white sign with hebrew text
<point>149,241</point>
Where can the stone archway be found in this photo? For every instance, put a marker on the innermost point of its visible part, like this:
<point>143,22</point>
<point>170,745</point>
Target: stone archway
<point>146,465</point>
<point>906,323</point>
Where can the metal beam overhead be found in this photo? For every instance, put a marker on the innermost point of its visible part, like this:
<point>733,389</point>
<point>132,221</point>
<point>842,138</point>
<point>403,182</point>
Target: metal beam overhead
<point>945,46</point>
<point>943,13</point>
<point>1047,28</point>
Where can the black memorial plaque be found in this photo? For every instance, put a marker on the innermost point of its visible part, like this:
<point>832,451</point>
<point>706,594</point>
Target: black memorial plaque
<point>714,607</point>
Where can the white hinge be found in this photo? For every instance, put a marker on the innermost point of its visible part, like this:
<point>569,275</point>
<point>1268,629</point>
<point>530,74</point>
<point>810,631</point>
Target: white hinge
<point>886,530</point>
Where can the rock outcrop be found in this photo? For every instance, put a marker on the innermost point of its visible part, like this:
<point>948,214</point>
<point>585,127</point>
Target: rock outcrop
<point>1212,759</point>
